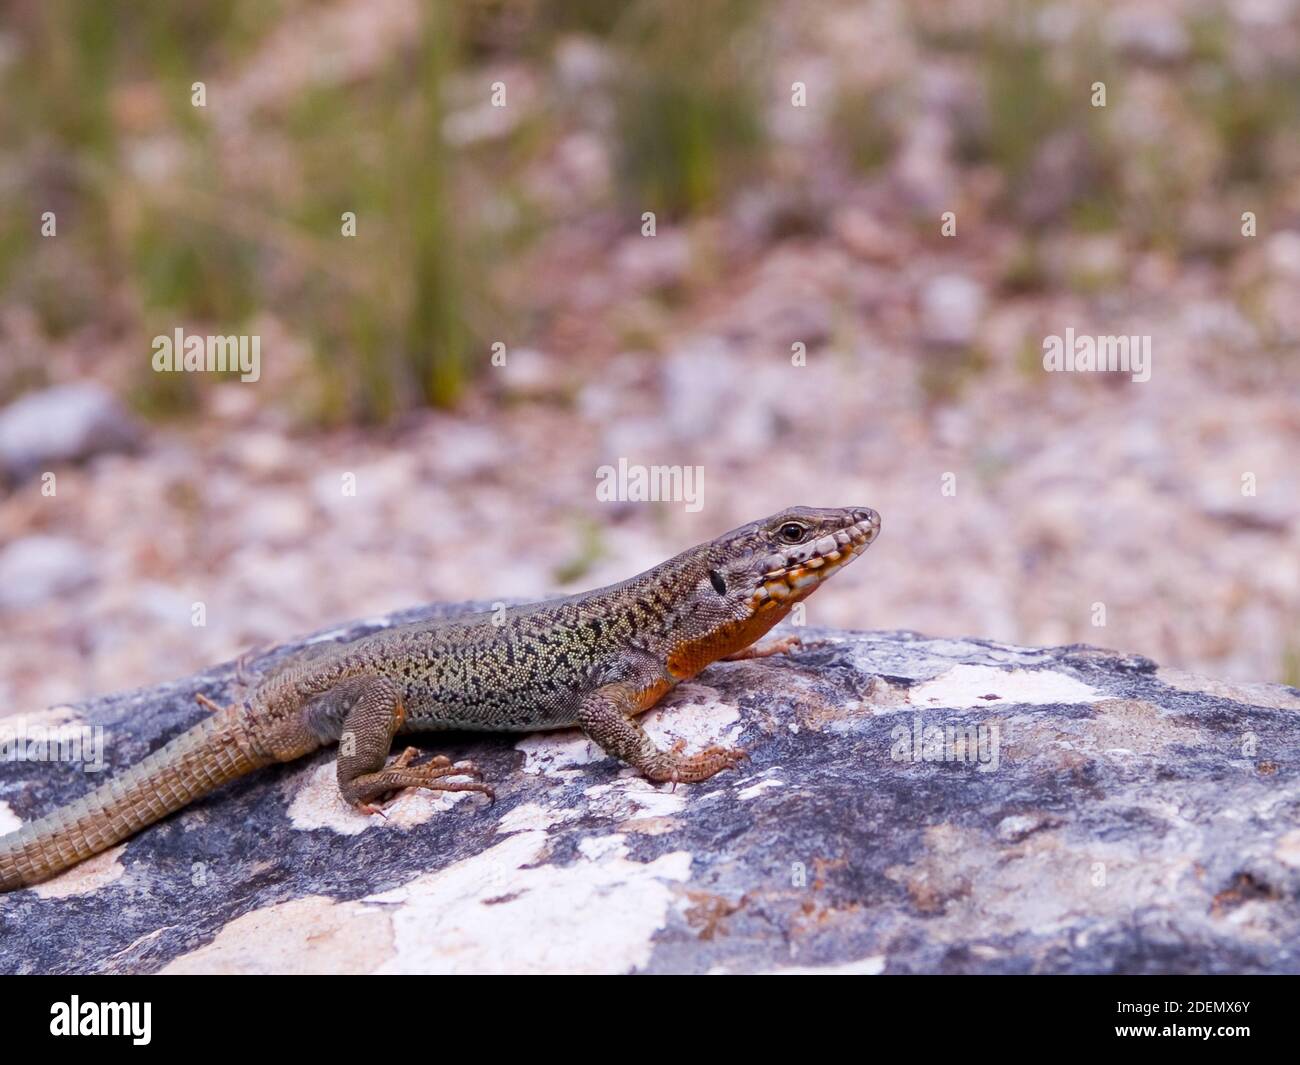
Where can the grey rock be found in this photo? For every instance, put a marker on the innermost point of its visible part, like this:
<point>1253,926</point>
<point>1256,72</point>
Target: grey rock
<point>34,569</point>
<point>67,423</point>
<point>1108,816</point>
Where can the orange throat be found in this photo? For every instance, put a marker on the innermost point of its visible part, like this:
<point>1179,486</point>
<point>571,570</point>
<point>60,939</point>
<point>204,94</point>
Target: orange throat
<point>691,656</point>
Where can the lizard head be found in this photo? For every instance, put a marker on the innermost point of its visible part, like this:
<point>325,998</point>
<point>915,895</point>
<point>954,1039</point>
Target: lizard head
<point>744,582</point>
<point>757,572</point>
<point>782,559</point>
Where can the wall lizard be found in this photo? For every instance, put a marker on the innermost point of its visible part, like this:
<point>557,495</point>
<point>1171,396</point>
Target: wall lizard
<point>595,660</point>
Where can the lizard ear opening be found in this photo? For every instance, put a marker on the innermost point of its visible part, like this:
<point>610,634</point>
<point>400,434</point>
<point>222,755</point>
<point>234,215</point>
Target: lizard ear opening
<point>719,585</point>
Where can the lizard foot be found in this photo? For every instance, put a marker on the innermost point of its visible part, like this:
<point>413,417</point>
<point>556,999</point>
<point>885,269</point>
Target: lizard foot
<point>781,645</point>
<point>401,775</point>
<point>697,767</point>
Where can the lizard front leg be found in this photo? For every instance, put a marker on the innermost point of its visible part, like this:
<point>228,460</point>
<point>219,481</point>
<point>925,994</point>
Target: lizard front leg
<point>367,736</point>
<point>606,716</point>
<point>779,646</point>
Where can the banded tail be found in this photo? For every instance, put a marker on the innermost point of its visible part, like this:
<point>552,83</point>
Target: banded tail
<point>200,760</point>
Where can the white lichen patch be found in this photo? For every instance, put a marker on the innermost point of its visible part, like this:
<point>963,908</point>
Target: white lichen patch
<point>9,821</point>
<point>303,936</point>
<point>504,910</point>
<point>531,816</point>
<point>559,755</point>
<point>597,848</point>
<point>501,911</point>
<point>758,787</point>
<point>705,721</point>
<point>967,686</point>
<point>629,796</point>
<point>1288,849</point>
<point>1018,826</point>
<point>318,804</point>
<point>650,826</point>
<point>85,878</point>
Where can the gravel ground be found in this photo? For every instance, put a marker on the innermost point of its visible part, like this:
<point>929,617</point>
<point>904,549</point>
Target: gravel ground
<point>1018,505</point>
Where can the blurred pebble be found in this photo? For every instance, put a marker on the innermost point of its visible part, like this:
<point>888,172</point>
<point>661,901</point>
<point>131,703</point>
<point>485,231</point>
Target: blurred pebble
<point>38,568</point>
<point>67,423</point>
<point>951,307</point>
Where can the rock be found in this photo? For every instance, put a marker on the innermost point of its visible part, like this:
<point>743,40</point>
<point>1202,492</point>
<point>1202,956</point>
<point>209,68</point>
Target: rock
<point>951,308</point>
<point>67,423</point>
<point>1097,815</point>
<point>34,569</point>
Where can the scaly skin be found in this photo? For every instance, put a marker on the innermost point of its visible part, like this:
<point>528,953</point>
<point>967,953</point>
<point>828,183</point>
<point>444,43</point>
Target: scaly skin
<point>595,660</point>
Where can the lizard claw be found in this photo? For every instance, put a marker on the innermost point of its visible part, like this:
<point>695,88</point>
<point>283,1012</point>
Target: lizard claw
<point>206,703</point>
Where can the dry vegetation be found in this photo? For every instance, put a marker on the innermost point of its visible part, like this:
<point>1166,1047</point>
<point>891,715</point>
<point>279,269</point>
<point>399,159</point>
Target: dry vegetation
<point>775,225</point>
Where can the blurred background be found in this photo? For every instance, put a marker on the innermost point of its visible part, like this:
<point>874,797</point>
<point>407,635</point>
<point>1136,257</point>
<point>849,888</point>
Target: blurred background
<point>775,225</point>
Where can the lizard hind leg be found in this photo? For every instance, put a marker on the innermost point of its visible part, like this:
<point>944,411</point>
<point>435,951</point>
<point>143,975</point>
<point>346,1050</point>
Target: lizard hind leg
<point>368,731</point>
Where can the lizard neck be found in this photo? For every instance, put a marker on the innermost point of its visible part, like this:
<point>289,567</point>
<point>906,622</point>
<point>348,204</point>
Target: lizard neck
<point>673,611</point>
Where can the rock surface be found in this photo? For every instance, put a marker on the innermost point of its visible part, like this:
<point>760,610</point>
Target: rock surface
<point>1107,816</point>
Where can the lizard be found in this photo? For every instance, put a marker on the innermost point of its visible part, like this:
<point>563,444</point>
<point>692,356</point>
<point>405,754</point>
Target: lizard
<point>594,660</point>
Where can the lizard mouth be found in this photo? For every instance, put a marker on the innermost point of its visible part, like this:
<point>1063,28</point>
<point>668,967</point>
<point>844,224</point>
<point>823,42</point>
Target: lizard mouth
<point>794,573</point>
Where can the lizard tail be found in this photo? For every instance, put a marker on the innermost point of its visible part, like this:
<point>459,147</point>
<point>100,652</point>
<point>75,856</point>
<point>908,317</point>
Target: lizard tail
<point>212,753</point>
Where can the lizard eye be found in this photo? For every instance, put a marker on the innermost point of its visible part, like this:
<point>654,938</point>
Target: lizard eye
<point>719,585</point>
<point>791,532</point>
